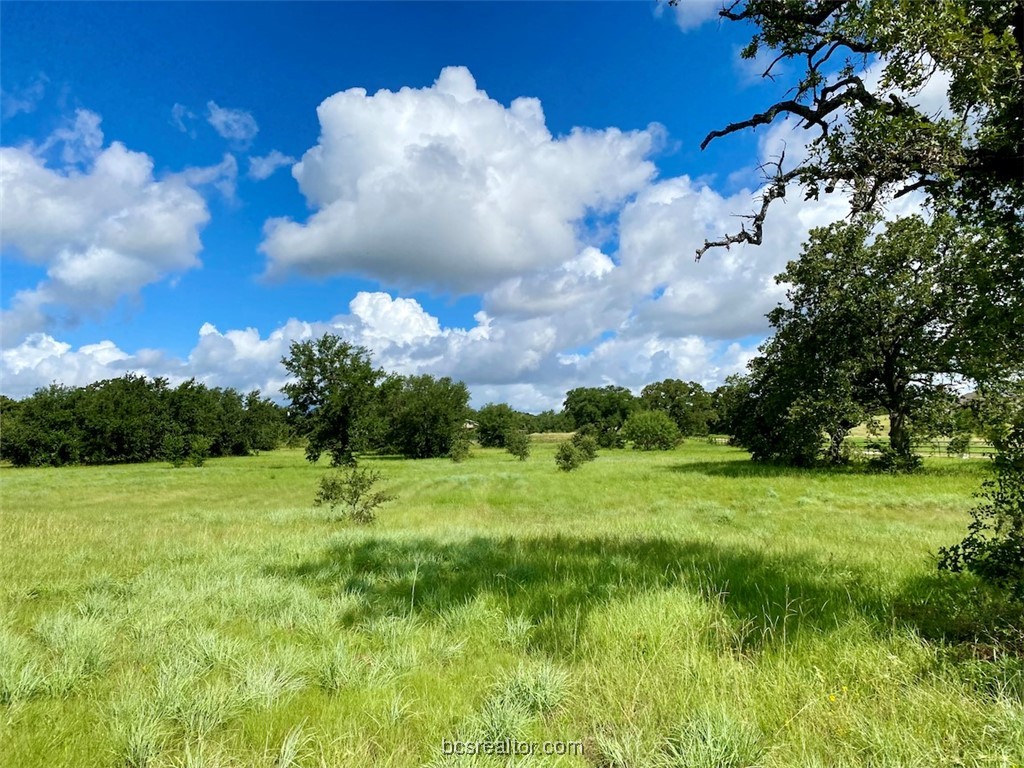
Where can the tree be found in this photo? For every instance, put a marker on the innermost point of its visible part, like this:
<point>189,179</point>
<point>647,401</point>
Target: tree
<point>332,391</point>
<point>651,430</point>
<point>687,403</point>
<point>517,442</point>
<point>726,401</point>
<point>427,416</point>
<point>871,324</point>
<point>495,422</point>
<point>868,136</point>
<point>604,409</point>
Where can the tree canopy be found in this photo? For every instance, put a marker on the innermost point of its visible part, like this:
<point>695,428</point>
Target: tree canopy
<point>859,66</point>
<point>332,392</point>
<point>871,324</point>
<point>601,409</point>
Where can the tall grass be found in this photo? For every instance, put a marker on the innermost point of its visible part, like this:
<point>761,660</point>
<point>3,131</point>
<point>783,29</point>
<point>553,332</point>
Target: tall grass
<point>680,609</point>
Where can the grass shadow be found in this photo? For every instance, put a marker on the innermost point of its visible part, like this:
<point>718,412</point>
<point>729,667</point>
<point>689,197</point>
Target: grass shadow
<point>556,582</point>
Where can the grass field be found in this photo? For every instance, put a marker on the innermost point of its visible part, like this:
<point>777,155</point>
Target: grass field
<point>664,610</point>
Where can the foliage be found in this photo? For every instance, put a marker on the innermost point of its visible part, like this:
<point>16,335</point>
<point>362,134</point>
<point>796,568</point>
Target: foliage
<point>726,402</point>
<point>352,489</point>
<point>333,389</point>
<point>569,457</point>
<point>994,546</point>
<point>426,417</point>
<point>688,404</point>
<point>459,451</point>
<point>586,444</point>
<point>870,324</point>
<point>494,422</point>
<point>651,430</point>
<point>133,419</point>
<point>605,409</point>
<point>517,442</point>
<point>870,136</point>
<point>549,421</point>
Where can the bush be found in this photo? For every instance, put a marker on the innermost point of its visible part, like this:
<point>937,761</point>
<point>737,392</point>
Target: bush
<point>994,546</point>
<point>586,444</point>
<point>959,444</point>
<point>651,430</point>
<point>517,442</point>
<point>890,460</point>
<point>352,490</point>
<point>459,448</point>
<point>569,457</point>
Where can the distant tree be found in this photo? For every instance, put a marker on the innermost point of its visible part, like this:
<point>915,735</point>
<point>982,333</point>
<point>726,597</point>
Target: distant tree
<point>263,424</point>
<point>651,430</point>
<point>332,391</point>
<point>568,457</point>
<point>517,442</point>
<point>549,421</point>
<point>687,403</point>
<point>494,422</point>
<point>44,429</point>
<point>427,416</point>
<point>585,442</point>
<point>605,409</point>
<point>726,401</point>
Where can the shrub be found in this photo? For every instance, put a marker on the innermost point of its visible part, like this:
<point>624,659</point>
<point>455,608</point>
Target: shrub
<point>586,444</point>
<point>459,449</point>
<point>352,489</point>
<point>891,460</point>
<point>959,444</point>
<point>517,442</point>
<point>651,430</point>
<point>569,457</point>
<point>994,546</point>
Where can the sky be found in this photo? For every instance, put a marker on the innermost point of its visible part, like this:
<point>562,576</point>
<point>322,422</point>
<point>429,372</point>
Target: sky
<point>510,194</point>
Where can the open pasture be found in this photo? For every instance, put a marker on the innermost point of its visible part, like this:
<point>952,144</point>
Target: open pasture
<point>660,610</point>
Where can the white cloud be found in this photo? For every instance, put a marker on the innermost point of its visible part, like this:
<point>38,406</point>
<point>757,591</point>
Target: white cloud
<point>444,187</point>
<point>102,232</point>
<point>23,99</point>
<point>179,114</point>
<point>236,125</point>
<point>223,176</point>
<point>263,167</point>
<point>691,14</point>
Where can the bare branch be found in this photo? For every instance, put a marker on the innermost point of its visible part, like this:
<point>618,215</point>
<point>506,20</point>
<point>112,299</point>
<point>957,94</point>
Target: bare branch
<point>775,190</point>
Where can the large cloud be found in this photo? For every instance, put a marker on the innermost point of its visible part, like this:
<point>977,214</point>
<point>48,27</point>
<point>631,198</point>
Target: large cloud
<point>444,187</point>
<point>101,233</point>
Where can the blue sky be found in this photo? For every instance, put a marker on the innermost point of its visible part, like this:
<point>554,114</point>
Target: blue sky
<point>513,199</point>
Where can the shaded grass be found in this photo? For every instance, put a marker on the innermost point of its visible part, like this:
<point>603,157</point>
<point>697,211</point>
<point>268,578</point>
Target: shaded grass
<point>684,608</point>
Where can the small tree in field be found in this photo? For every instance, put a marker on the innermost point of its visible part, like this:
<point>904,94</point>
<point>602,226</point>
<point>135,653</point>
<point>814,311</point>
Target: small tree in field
<point>568,457</point>
<point>517,442</point>
<point>352,489</point>
<point>652,430</point>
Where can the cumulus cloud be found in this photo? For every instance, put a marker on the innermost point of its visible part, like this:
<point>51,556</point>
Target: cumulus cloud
<point>263,167</point>
<point>444,187</point>
<point>101,232</point>
<point>236,125</point>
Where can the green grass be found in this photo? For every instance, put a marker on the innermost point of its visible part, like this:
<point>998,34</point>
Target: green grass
<point>687,608</point>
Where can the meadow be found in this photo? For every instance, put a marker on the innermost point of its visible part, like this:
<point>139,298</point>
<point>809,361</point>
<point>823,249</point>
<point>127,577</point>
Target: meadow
<point>686,608</point>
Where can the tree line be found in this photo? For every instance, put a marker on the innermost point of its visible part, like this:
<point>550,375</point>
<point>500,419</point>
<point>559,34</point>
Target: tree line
<point>133,419</point>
